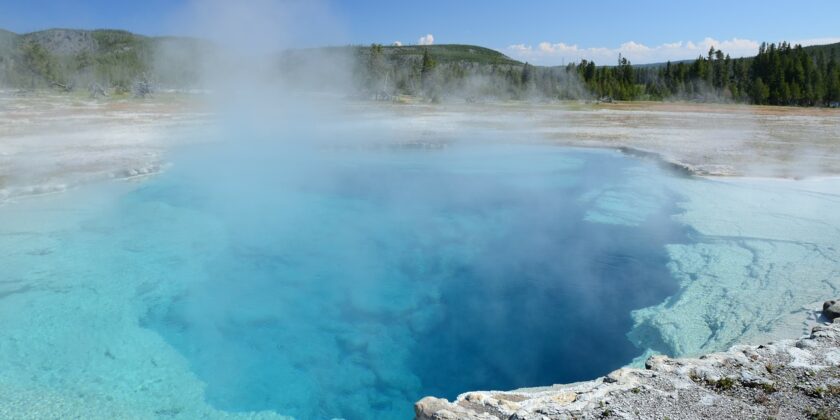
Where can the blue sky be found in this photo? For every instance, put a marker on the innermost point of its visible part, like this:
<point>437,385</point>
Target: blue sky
<point>546,32</point>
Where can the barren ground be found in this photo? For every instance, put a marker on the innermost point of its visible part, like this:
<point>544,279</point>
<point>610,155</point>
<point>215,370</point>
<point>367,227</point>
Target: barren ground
<point>52,142</point>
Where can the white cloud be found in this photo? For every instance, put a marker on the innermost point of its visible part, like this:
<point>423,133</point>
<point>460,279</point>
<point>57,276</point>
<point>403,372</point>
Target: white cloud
<point>638,53</point>
<point>397,44</point>
<point>426,40</point>
<point>635,47</point>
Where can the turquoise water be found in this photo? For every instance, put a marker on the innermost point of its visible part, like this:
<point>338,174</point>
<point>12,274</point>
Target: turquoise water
<point>350,283</point>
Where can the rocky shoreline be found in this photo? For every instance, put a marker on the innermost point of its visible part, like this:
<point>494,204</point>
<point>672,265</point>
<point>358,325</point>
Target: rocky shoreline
<point>788,379</point>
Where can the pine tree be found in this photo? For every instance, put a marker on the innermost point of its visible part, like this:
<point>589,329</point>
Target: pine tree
<point>427,67</point>
<point>375,67</point>
<point>760,92</point>
<point>527,77</point>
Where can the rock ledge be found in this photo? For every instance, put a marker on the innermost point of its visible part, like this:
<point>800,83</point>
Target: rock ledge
<point>790,379</point>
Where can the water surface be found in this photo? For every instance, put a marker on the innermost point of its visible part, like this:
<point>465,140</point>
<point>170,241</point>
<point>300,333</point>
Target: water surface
<point>350,283</point>
<point>409,273</point>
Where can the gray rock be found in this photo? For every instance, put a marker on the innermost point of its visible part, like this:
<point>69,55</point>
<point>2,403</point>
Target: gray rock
<point>831,309</point>
<point>751,379</point>
<point>431,408</point>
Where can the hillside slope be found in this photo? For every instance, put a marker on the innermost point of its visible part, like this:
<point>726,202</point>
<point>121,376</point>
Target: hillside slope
<point>447,53</point>
<point>73,58</point>
<point>76,59</point>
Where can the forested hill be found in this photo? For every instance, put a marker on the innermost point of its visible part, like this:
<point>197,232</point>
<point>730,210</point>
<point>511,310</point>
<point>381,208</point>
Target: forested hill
<point>443,53</point>
<point>68,59</point>
<point>827,50</point>
<point>117,61</point>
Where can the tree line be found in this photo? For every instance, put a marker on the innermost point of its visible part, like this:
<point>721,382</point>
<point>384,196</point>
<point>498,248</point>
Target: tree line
<point>779,75</point>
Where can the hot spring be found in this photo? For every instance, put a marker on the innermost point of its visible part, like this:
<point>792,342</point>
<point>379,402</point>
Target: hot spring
<point>354,288</point>
<point>407,273</point>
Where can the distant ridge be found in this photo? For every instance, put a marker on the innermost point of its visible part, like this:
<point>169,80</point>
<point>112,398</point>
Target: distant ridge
<point>453,52</point>
<point>62,41</point>
<point>117,57</point>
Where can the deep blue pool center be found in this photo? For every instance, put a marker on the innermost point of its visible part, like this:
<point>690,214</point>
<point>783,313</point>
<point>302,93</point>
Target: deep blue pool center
<point>353,285</point>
